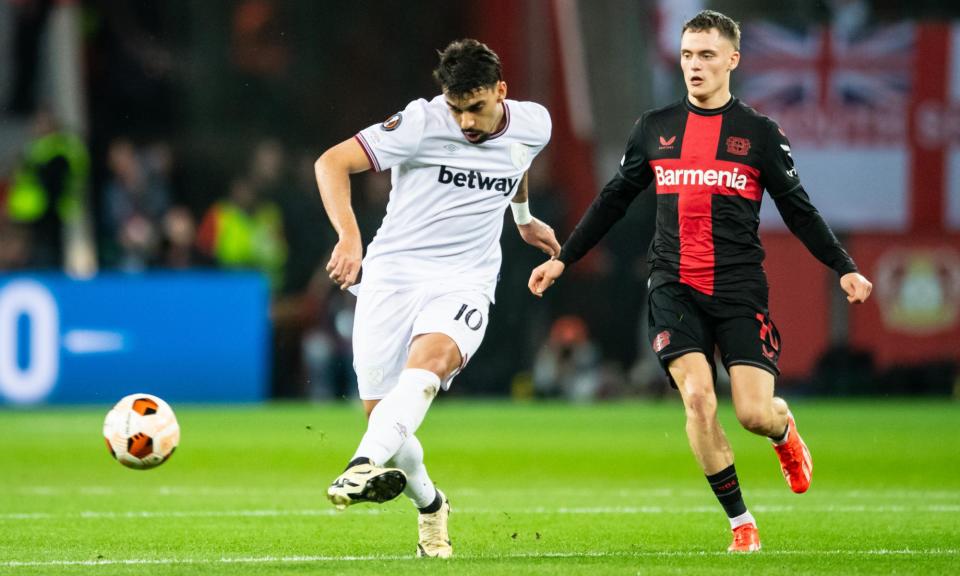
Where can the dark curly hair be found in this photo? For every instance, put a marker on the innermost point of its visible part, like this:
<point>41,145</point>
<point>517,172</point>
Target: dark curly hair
<point>724,24</point>
<point>467,65</point>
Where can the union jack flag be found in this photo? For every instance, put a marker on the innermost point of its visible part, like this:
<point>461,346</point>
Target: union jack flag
<point>825,68</point>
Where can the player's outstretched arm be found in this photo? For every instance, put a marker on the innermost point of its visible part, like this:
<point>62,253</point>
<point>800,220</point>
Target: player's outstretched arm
<point>544,275</point>
<point>333,170</point>
<point>606,209</point>
<point>533,231</point>
<point>805,223</point>
<point>856,286</point>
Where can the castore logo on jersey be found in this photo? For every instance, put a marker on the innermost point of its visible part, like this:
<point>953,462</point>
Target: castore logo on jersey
<point>666,144</point>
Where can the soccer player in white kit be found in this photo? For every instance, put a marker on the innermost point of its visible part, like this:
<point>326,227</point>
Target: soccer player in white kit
<point>429,275</point>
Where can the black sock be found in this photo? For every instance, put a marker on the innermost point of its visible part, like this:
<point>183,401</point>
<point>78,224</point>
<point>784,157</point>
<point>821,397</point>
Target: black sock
<point>726,487</point>
<point>783,436</point>
<point>357,460</point>
<point>433,506</point>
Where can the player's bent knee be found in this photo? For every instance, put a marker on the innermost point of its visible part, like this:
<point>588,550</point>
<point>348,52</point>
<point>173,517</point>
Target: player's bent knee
<point>426,385</point>
<point>437,353</point>
<point>700,403</point>
<point>754,421</point>
<point>439,369</point>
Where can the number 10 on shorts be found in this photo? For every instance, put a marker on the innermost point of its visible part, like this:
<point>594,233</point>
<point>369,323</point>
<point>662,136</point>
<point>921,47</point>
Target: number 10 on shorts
<point>472,317</point>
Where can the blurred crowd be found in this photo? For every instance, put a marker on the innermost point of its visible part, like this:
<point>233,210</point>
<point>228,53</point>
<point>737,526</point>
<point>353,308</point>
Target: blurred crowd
<point>142,219</point>
<point>267,216</point>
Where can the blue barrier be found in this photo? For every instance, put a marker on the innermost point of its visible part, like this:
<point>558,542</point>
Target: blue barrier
<point>184,336</point>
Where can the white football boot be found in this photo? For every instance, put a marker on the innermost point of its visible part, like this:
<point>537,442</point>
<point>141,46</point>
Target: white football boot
<point>366,483</point>
<point>434,539</point>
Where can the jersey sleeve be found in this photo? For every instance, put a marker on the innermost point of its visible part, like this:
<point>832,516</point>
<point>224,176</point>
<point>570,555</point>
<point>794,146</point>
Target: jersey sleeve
<point>777,172</point>
<point>396,138</point>
<point>635,165</point>
<point>545,125</point>
<point>606,210</point>
<point>805,223</point>
<point>780,178</point>
<point>541,127</point>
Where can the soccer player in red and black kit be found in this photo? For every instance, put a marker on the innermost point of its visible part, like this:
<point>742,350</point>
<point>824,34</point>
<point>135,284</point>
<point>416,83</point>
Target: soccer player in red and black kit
<point>710,157</point>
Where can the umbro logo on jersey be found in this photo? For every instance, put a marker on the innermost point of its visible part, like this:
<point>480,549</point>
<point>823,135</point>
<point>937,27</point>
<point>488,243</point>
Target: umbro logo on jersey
<point>475,179</point>
<point>451,148</point>
<point>666,144</point>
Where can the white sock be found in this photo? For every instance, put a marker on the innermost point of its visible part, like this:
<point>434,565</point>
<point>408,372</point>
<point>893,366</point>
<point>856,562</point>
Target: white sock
<point>745,518</point>
<point>397,417</point>
<point>420,489</point>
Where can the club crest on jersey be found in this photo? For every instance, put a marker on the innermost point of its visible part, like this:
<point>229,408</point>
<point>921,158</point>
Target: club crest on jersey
<point>476,180</point>
<point>519,154</point>
<point>738,146</point>
<point>391,123</point>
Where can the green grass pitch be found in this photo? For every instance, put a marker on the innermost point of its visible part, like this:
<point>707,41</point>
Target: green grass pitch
<point>535,489</point>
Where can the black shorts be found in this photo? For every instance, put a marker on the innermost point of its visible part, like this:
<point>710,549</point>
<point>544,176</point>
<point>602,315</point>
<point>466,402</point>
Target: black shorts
<point>683,320</point>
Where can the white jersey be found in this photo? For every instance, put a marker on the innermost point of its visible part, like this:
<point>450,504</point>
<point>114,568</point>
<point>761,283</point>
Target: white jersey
<point>448,196</point>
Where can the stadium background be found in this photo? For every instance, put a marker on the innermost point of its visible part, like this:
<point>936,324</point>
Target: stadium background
<point>182,105</point>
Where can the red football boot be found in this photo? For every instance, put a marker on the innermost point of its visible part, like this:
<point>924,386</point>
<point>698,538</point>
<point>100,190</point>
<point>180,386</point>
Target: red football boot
<point>746,538</point>
<point>795,460</point>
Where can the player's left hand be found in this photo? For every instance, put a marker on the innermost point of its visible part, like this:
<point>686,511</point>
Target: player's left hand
<point>856,286</point>
<point>540,235</point>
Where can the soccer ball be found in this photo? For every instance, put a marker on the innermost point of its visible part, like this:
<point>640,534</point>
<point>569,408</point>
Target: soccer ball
<point>141,431</point>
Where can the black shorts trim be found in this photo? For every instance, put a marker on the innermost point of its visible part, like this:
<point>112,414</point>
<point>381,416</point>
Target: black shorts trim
<point>766,367</point>
<point>665,359</point>
<point>665,364</point>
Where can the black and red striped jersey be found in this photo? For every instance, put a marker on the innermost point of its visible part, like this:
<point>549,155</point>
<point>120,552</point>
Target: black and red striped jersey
<point>709,169</point>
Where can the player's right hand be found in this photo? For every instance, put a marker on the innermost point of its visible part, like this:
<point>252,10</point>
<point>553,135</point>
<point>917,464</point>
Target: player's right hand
<point>544,275</point>
<point>344,265</point>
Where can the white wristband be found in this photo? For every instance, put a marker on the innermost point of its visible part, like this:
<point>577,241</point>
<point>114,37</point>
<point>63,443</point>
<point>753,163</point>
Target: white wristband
<point>521,212</point>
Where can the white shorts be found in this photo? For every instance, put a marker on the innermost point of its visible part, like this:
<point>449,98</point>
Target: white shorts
<point>386,322</point>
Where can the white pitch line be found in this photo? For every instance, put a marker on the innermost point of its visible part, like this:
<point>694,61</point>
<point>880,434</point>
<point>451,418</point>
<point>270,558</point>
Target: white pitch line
<point>96,515</point>
<point>26,516</point>
<point>594,510</point>
<point>519,555</point>
<point>472,492</point>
